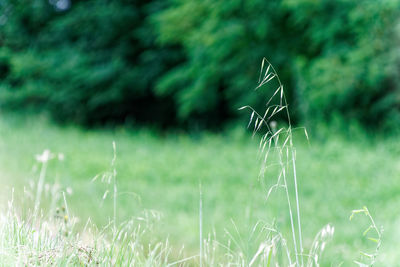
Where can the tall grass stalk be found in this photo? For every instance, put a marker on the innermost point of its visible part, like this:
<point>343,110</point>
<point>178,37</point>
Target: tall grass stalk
<point>377,238</point>
<point>286,153</point>
<point>114,177</point>
<point>280,141</point>
<point>201,225</point>
<point>43,159</point>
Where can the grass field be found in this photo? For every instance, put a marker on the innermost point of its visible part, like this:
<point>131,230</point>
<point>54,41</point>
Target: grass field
<point>163,173</point>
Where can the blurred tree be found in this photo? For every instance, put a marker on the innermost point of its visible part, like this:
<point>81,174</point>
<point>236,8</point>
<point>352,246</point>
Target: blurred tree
<point>351,65</point>
<point>94,62</point>
<point>193,63</point>
<point>224,42</point>
<point>337,57</point>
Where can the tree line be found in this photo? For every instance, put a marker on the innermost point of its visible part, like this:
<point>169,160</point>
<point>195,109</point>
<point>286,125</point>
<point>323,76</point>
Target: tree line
<point>181,63</point>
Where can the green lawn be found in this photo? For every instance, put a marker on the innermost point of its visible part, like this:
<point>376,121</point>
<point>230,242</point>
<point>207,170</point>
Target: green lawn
<point>163,173</point>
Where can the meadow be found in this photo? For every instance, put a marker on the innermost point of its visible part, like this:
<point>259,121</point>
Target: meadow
<point>160,174</point>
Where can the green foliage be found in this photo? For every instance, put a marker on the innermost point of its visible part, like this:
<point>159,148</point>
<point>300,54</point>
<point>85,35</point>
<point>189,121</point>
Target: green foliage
<point>351,65</point>
<point>192,63</point>
<point>340,56</point>
<point>92,63</point>
<point>224,43</point>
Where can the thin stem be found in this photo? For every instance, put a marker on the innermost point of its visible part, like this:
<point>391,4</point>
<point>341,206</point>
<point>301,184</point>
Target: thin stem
<point>40,186</point>
<point>115,184</point>
<point>201,225</point>
<point>297,204</point>
<point>290,208</point>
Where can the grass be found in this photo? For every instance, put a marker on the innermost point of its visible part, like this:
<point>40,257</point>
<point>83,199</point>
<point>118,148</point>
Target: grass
<point>39,240</point>
<point>162,173</point>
